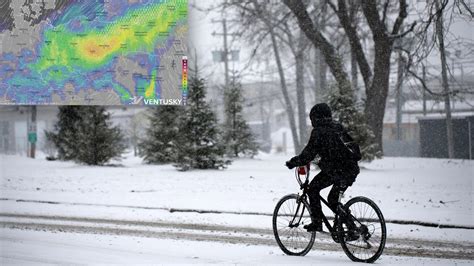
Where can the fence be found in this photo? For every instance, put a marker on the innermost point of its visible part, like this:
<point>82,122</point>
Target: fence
<point>433,137</point>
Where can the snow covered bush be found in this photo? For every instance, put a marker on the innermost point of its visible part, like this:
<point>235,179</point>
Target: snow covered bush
<point>346,110</point>
<point>159,144</point>
<point>84,134</point>
<point>237,135</point>
<point>199,142</point>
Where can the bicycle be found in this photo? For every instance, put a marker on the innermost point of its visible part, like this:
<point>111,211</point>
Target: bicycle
<point>362,237</point>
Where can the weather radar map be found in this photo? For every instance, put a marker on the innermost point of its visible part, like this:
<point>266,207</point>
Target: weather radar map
<point>93,52</point>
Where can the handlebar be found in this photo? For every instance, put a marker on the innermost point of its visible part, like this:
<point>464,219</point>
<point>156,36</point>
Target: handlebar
<point>302,171</point>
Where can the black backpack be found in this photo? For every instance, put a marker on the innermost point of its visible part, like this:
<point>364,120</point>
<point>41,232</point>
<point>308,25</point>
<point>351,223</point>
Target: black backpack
<point>349,148</point>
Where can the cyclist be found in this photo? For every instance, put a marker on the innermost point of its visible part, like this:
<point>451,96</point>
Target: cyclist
<point>338,163</point>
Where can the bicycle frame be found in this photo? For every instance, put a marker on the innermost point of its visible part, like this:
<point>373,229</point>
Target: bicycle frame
<point>339,211</point>
<point>325,220</point>
<point>303,198</point>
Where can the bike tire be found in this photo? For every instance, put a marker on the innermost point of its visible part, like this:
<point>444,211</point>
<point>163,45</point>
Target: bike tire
<point>371,223</point>
<point>287,237</point>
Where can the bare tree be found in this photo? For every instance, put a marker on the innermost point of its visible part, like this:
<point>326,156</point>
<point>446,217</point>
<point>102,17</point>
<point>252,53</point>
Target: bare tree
<point>376,78</point>
<point>432,34</point>
<point>302,47</point>
<point>298,44</point>
<point>321,19</point>
<point>134,129</point>
<point>263,21</point>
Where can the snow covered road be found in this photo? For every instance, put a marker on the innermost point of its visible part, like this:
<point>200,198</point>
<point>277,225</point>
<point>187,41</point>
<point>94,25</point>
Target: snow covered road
<point>34,247</point>
<point>220,234</point>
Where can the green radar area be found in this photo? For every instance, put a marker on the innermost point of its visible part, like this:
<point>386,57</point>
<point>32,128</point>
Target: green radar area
<point>83,52</point>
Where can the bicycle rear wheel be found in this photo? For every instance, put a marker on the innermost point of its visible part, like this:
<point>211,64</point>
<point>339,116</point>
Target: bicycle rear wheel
<point>288,229</point>
<point>364,242</point>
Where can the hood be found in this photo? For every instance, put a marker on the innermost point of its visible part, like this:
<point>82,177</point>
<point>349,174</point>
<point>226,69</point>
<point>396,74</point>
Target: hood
<point>321,112</point>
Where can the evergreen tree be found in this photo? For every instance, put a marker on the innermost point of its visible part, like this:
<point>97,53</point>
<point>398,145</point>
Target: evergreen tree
<point>85,135</point>
<point>237,135</point>
<point>159,145</point>
<point>349,114</point>
<point>199,144</point>
<point>64,136</point>
<point>99,141</point>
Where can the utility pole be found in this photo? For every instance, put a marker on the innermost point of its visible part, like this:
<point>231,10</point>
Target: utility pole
<point>424,91</point>
<point>398,98</point>
<point>225,54</point>
<point>32,135</point>
<point>444,75</point>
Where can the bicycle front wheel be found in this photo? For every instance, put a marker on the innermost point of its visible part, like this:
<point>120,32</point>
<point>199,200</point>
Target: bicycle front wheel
<point>363,240</point>
<point>289,217</point>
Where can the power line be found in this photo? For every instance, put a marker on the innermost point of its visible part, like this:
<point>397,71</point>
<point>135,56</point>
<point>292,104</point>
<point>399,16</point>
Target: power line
<point>225,56</point>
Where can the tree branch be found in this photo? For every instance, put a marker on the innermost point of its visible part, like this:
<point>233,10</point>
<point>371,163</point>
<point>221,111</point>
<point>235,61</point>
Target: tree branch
<point>354,41</point>
<point>371,14</point>
<point>423,84</point>
<point>331,57</point>
<point>385,9</point>
<point>403,34</point>
<point>402,14</point>
<point>436,15</point>
<point>409,64</point>
<point>460,3</point>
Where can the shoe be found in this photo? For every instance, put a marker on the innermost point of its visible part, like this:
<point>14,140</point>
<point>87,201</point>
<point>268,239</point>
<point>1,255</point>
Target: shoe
<point>312,227</point>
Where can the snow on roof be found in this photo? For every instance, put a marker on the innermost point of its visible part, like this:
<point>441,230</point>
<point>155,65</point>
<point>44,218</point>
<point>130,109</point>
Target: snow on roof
<point>255,122</point>
<point>465,108</point>
<point>390,117</point>
<point>431,105</point>
<point>460,115</point>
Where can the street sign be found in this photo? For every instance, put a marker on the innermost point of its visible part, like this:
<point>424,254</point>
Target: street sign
<point>32,137</point>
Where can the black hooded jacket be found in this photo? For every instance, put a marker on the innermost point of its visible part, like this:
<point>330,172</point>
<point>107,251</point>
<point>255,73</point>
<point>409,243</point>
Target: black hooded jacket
<point>324,141</point>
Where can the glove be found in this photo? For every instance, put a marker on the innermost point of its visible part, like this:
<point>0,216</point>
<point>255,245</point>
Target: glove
<point>289,165</point>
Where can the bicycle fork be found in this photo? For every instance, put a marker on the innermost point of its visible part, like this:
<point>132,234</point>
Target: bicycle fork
<point>292,222</point>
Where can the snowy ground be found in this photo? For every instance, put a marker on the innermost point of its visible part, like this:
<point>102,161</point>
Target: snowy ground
<point>26,247</point>
<point>426,190</point>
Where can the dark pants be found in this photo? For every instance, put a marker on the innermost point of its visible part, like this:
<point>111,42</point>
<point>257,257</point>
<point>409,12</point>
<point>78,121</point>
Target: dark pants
<point>322,181</point>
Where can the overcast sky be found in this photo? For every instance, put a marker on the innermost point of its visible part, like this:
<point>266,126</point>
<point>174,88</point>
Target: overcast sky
<point>201,29</point>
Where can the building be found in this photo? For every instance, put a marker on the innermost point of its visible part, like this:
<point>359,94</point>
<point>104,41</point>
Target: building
<point>433,137</point>
<point>409,143</point>
<point>14,122</point>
